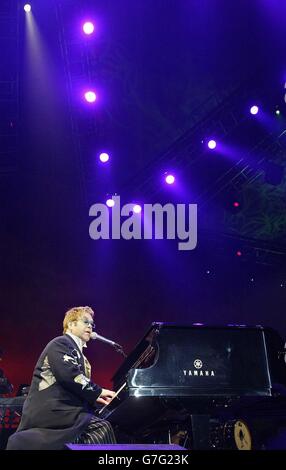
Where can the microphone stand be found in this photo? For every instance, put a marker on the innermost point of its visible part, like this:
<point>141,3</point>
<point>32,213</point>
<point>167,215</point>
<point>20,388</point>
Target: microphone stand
<point>119,349</point>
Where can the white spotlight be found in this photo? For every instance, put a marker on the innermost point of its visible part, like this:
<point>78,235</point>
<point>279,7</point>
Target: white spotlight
<point>27,8</point>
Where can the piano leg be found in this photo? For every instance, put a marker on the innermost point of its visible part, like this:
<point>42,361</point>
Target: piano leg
<point>200,431</point>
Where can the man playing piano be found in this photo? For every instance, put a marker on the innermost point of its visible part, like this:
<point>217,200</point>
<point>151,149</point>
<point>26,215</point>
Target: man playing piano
<point>60,404</point>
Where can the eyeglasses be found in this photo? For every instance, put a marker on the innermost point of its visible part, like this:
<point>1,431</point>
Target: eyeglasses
<point>88,323</point>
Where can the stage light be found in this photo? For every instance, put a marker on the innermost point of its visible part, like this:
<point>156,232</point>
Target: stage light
<point>90,96</point>
<point>27,8</point>
<point>236,204</point>
<point>110,202</point>
<point>254,109</point>
<point>212,144</point>
<point>88,27</point>
<point>137,209</point>
<point>104,157</point>
<point>238,253</point>
<point>277,112</point>
<point>170,179</point>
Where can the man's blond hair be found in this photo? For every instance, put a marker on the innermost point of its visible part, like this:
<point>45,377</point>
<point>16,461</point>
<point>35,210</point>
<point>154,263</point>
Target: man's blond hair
<point>75,314</point>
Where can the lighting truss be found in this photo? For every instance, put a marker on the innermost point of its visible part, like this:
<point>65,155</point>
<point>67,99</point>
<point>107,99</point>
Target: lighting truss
<point>9,86</point>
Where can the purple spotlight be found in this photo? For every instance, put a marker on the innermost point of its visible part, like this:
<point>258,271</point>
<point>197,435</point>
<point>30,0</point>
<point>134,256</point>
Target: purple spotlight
<point>137,209</point>
<point>254,109</point>
<point>90,96</point>
<point>27,8</point>
<point>88,27</point>
<point>212,144</point>
<point>110,202</point>
<point>170,179</point>
<point>104,157</point>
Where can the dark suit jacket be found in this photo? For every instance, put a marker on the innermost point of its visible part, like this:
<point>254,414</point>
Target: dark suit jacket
<point>59,404</point>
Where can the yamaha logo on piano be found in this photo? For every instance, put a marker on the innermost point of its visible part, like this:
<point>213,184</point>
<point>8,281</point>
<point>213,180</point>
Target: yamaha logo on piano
<point>198,371</point>
<point>198,363</point>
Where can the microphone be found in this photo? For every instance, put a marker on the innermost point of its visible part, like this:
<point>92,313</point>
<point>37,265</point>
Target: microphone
<point>117,346</point>
<point>95,335</point>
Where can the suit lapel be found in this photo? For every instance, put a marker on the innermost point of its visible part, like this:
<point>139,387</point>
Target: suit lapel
<point>81,356</point>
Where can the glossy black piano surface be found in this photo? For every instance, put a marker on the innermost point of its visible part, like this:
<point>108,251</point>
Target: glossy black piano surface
<point>177,372</point>
<point>177,360</point>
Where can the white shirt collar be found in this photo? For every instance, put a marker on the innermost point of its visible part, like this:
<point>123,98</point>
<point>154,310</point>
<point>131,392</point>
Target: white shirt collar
<point>81,344</point>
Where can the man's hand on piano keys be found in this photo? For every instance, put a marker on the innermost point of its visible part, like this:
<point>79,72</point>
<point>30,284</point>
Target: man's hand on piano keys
<point>105,397</point>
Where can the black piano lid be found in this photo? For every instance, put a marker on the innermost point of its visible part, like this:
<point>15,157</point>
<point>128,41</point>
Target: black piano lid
<point>137,351</point>
<point>273,345</point>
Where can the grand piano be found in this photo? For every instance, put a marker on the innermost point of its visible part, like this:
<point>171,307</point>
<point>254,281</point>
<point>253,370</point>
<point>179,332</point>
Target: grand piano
<point>203,387</point>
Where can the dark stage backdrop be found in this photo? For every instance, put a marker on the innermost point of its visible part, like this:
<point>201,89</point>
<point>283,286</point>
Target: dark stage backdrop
<point>133,284</point>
